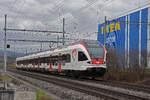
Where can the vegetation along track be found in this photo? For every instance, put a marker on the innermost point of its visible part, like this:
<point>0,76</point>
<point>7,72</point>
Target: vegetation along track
<point>91,90</point>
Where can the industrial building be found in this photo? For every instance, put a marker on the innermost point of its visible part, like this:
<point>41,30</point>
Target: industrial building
<point>129,34</point>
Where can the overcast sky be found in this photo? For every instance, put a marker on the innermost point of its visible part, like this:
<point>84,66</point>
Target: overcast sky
<point>81,16</point>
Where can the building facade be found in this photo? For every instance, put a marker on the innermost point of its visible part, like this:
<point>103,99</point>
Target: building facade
<point>129,34</point>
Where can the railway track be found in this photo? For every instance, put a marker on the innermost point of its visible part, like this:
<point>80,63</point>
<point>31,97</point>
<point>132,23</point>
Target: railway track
<point>129,86</point>
<point>85,88</point>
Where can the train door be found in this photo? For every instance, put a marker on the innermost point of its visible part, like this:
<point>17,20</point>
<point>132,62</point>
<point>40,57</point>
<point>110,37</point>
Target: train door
<point>74,59</point>
<point>66,61</point>
<point>82,60</point>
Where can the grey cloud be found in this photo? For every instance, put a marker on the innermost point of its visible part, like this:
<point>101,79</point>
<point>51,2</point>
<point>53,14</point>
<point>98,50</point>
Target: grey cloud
<point>85,15</point>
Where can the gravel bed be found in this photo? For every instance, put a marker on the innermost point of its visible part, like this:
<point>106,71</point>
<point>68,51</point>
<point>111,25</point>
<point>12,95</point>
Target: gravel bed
<point>19,86</point>
<point>127,91</point>
<point>21,91</point>
<point>61,92</point>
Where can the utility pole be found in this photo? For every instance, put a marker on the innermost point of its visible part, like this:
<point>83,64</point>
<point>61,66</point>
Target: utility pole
<point>63,31</point>
<point>14,48</point>
<point>5,46</point>
<point>41,47</point>
<point>105,32</point>
<point>57,40</point>
<point>26,51</point>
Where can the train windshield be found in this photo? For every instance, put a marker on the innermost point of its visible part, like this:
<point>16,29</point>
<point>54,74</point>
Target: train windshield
<point>95,49</point>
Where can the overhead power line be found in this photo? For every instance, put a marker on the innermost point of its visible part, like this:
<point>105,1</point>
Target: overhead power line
<point>33,30</point>
<point>34,41</point>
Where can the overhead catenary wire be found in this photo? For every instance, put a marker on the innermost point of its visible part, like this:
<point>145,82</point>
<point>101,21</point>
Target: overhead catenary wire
<point>83,8</point>
<point>41,41</point>
<point>44,31</point>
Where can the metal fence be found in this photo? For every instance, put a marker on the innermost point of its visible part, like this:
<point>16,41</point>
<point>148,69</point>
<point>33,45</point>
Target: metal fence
<point>6,94</point>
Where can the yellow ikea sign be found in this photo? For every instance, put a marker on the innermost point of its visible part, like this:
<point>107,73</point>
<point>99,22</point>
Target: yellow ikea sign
<point>111,28</point>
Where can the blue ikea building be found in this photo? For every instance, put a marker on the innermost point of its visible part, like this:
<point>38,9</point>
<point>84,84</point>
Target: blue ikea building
<point>129,34</point>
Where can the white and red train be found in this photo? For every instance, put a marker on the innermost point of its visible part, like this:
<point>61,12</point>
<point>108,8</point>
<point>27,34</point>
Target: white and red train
<point>87,58</point>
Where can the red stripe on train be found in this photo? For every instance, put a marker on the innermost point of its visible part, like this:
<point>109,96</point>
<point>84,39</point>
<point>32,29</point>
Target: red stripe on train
<point>59,66</point>
<point>97,61</point>
<point>50,63</point>
<point>38,64</point>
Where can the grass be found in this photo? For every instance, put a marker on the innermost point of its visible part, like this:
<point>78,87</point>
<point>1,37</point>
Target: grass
<point>131,75</point>
<point>42,96</point>
<point>5,78</point>
<point>11,65</point>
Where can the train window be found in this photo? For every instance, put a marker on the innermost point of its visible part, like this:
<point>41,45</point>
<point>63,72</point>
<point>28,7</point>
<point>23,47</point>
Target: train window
<point>53,63</point>
<point>95,49</point>
<point>47,59</point>
<point>66,58</point>
<point>55,60</point>
<point>18,62</point>
<point>56,63</point>
<point>63,59</point>
<point>82,56</point>
<point>24,62</point>
<point>36,61</point>
<point>41,60</point>
<point>30,61</point>
<point>63,63</point>
<point>27,61</point>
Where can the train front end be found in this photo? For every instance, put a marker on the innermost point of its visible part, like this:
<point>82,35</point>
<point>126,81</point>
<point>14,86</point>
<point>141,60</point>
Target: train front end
<point>96,66</point>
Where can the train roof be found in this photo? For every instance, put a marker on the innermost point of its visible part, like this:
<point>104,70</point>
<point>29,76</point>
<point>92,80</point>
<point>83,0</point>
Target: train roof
<point>35,55</point>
